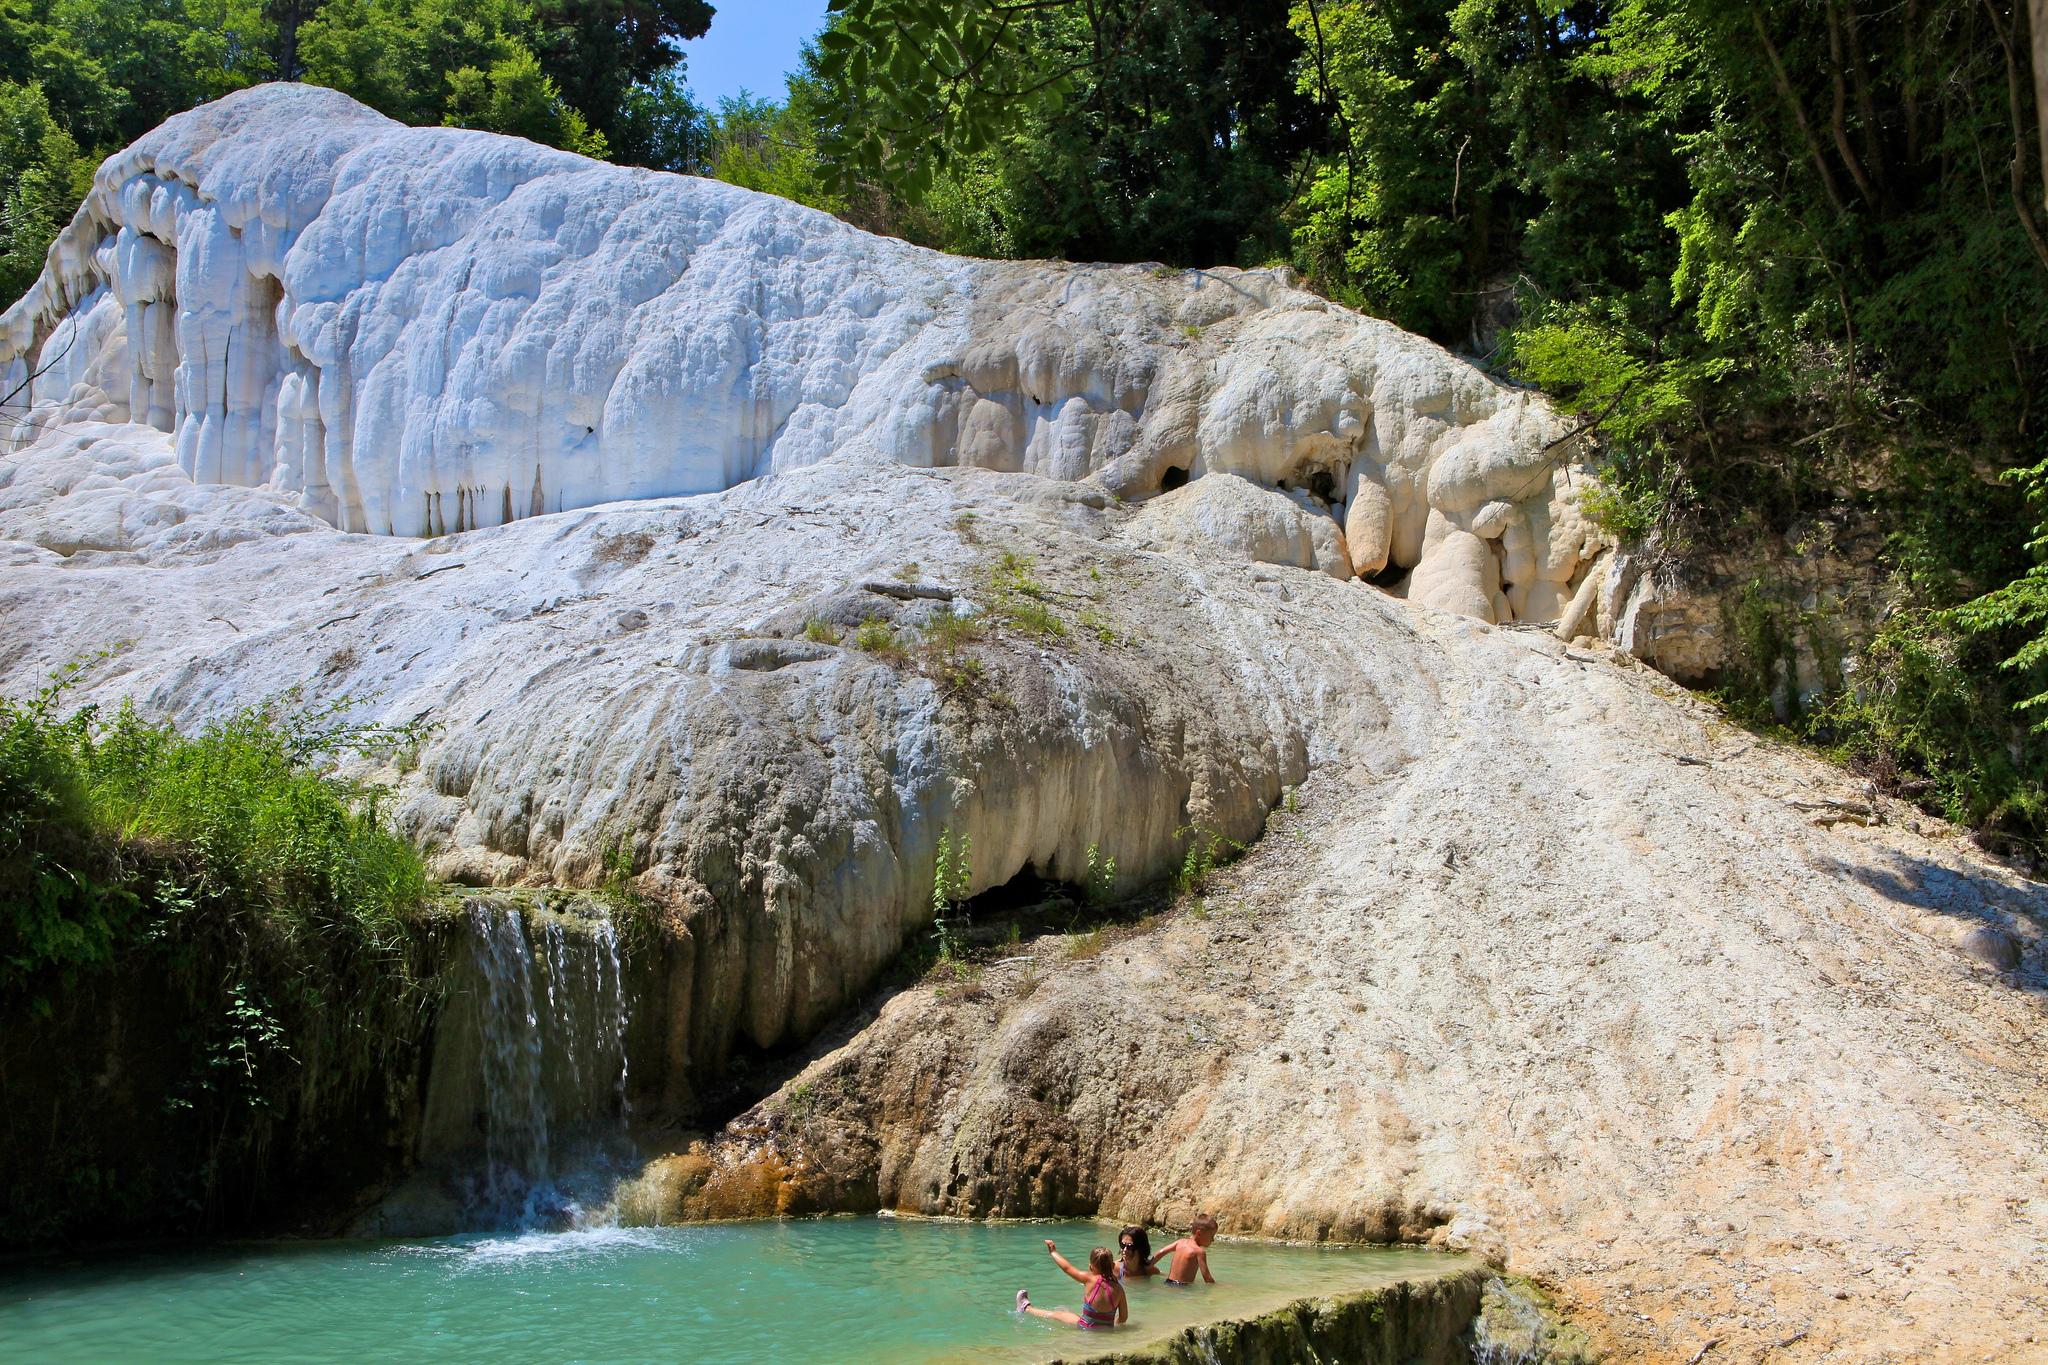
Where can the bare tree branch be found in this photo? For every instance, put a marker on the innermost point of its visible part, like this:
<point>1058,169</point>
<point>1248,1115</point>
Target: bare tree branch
<point>1791,98</point>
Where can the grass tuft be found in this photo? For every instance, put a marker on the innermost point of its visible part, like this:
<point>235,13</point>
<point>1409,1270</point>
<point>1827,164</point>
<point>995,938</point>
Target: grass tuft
<point>878,637</point>
<point>1018,599</point>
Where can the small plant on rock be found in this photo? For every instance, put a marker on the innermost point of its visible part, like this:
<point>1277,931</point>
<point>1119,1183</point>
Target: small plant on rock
<point>615,858</point>
<point>796,1104</point>
<point>952,874</point>
<point>1101,877</point>
<point>1018,599</point>
<point>1089,944</point>
<point>1207,850</point>
<point>820,631</point>
<point>942,656</point>
<point>878,637</point>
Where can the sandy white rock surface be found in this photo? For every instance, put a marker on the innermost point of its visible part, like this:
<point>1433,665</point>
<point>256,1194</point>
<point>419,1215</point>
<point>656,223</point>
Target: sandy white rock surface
<point>1719,1076</point>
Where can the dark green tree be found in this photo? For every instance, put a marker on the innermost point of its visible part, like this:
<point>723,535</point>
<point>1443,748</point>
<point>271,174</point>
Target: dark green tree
<point>598,52</point>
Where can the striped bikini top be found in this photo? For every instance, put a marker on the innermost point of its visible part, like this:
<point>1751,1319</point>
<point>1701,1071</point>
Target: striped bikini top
<point>1105,1316</point>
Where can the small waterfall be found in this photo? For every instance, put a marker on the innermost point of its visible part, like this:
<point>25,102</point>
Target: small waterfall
<point>550,1029</point>
<point>1514,1328</point>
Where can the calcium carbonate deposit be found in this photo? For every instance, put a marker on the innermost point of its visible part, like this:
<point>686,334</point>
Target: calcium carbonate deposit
<point>419,331</point>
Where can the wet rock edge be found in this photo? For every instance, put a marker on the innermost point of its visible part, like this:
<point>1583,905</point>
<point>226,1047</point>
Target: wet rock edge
<point>1414,1320</point>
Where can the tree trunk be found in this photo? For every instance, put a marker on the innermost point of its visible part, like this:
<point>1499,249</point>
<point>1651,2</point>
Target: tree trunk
<point>2040,18</point>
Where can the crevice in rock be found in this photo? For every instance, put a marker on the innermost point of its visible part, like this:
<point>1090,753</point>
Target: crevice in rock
<point>1389,576</point>
<point>752,1074</point>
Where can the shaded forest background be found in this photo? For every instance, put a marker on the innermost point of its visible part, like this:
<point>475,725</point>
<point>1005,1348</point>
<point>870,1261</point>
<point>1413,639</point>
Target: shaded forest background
<point>1790,254</point>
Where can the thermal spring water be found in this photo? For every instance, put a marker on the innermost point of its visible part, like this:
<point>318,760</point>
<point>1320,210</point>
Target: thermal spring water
<point>548,1021</point>
<point>836,1291</point>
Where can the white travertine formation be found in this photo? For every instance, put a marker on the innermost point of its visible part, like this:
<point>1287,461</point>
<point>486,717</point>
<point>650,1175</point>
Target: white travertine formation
<point>1235,517</point>
<point>415,331</point>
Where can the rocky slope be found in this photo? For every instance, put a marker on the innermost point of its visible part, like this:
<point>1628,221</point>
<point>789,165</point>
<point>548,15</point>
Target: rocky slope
<point>1585,980</point>
<point>1549,963</point>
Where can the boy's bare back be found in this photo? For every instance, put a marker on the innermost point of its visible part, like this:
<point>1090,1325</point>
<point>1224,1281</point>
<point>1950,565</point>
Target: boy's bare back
<point>1189,1259</point>
<point>1191,1253</point>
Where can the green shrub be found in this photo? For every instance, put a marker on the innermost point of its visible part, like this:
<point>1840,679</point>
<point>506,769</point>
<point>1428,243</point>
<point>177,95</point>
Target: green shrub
<point>1101,877</point>
<point>228,888</point>
<point>1207,850</point>
<point>952,875</point>
<point>97,817</point>
<point>53,913</point>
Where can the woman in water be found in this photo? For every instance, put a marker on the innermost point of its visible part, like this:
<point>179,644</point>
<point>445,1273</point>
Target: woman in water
<point>1135,1262</point>
<point>1102,1298</point>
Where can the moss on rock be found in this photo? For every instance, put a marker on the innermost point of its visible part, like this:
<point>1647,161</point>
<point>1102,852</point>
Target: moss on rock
<point>1421,1320</point>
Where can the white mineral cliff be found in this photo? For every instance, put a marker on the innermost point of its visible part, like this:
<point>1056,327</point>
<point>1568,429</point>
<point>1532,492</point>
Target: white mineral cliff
<point>417,331</point>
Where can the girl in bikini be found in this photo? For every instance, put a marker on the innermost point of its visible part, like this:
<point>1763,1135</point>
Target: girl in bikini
<point>1102,1299</point>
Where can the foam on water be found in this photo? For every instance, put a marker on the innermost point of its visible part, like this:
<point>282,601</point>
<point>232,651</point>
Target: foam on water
<point>581,1242</point>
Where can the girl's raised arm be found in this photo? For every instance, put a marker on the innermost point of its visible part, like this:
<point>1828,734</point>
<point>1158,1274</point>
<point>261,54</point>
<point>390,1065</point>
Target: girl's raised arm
<point>1064,1264</point>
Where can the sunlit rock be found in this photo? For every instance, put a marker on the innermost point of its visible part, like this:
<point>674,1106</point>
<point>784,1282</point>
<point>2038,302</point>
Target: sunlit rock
<point>419,331</point>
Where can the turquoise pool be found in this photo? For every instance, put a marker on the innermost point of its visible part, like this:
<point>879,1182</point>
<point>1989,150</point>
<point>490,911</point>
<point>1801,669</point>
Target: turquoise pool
<point>840,1291</point>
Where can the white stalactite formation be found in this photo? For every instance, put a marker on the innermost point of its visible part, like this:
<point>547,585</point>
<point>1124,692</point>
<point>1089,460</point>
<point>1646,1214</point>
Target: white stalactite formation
<point>419,331</point>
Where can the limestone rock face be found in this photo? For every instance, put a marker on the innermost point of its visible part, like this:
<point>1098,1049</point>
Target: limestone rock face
<point>1236,518</point>
<point>1637,1027</point>
<point>117,489</point>
<point>420,331</point>
<point>641,672</point>
<point>1809,600</point>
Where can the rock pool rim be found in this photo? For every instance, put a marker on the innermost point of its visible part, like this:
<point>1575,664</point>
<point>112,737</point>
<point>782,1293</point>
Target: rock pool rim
<point>1383,1325</point>
<point>1242,1238</point>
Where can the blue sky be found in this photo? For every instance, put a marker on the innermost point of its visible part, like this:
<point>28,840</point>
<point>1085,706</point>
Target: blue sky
<point>752,43</point>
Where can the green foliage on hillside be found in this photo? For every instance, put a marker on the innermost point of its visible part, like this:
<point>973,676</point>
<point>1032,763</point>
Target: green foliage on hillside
<point>95,814</point>
<point>249,915</point>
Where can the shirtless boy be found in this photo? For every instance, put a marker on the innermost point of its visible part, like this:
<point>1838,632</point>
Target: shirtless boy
<point>1190,1253</point>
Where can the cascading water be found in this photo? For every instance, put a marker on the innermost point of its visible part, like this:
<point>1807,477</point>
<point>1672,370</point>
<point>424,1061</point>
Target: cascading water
<point>1514,1329</point>
<point>550,1017</point>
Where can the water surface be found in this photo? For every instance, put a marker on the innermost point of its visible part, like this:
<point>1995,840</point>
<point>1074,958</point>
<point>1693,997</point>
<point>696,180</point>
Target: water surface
<point>841,1291</point>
